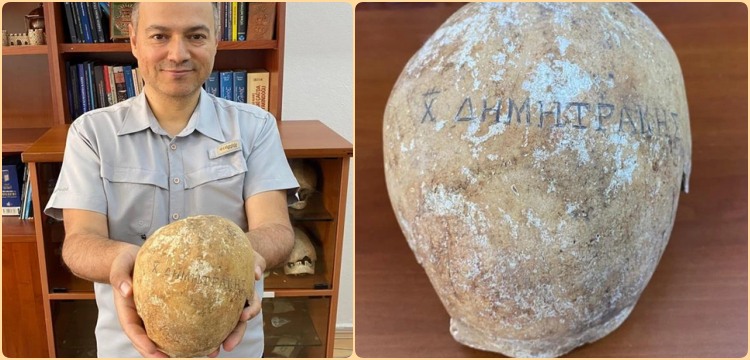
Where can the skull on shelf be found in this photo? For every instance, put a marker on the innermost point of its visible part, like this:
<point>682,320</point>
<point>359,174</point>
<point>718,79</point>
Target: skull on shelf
<point>307,179</point>
<point>302,259</point>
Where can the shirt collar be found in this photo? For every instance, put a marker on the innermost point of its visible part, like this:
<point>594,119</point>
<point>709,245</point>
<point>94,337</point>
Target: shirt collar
<point>204,119</point>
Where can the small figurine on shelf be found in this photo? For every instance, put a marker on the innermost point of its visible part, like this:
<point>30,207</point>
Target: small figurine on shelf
<point>18,39</point>
<point>6,42</point>
<point>35,26</point>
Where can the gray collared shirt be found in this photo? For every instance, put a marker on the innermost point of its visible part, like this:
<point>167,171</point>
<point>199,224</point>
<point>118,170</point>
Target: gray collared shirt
<point>120,162</point>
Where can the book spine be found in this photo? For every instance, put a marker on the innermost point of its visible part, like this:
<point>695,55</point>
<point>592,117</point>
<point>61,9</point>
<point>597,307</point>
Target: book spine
<point>107,85</point>
<point>258,88</point>
<point>69,88</point>
<point>11,191</point>
<point>136,88</point>
<point>91,86</point>
<point>77,22</point>
<point>82,89</point>
<point>242,21</point>
<point>70,23</point>
<point>101,94</point>
<point>212,83</point>
<point>85,22</point>
<point>97,14</point>
<point>112,84</point>
<point>225,85</point>
<point>240,86</point>
<point>234,20</point>
<point>128,73</point>
<point>75,111</point>
<point>24,191</point>
<point>122,92</point>
<point>227,22</point>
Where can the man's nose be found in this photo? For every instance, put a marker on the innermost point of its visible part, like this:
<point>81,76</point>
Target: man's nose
<point>178,50</point>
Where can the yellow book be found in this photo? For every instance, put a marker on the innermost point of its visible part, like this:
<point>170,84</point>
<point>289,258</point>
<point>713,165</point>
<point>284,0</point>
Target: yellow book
<point>234,21</point>
<point>257,88</point>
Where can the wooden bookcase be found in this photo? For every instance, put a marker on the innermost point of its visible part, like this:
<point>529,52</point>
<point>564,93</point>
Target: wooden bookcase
<point>56,308</point>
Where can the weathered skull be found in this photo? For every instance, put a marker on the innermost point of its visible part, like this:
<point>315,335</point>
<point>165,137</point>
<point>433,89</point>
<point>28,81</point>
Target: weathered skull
<point>303,257</point>
<point>307,179</point>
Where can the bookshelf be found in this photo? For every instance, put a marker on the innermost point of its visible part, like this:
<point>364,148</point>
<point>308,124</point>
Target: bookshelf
<point>52,303</point>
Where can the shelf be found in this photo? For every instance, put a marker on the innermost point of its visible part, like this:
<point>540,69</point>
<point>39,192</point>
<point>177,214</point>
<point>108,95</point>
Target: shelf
<point>18,140</point>
<point>74,323</point>
<point>17,230</point>
<point>314,211</point>
<point>249,45</point>
<point>125,47</point>
<point>295,327</point>
<point>25,50</point>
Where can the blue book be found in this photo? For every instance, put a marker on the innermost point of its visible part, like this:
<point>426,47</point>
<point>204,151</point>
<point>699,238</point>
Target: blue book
<point>11,191</point>
<point>129,86</point>
<point>225,85</point>
<point>82,89</point>
<point>212,83</point>
<point>85,22</point>
<point>240,86</point>
<point>90,85</point>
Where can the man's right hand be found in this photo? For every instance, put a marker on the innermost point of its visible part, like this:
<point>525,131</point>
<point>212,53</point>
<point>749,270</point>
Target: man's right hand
<point>121,279</point>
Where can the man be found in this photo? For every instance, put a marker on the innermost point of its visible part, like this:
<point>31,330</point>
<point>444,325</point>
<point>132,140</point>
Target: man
<point>172,152</point>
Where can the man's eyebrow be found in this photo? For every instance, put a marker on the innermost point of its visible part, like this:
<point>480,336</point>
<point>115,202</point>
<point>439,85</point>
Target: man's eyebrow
<point>190,29</point>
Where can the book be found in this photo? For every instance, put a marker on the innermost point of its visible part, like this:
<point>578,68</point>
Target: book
<point>96,25</point>
<point>11,191</point>
<point>112,84</point>
<point>107,85</point>
<point>212,83</point>
<point>75,110</point>
<point>90,85</point>
<point>101,93</point>
<point>120,87</point>
<point>226,24</point>
<point>257,88</point>
<point>119,21</point>
<point>261,22</point>
<point>240,86</point>
<point>234,21</point>
<point>72,36</point>
<point>127,71</point>
<point>242,21</point>
<point>225,85</point>
<point>82,89</point>
<point>85,22</point>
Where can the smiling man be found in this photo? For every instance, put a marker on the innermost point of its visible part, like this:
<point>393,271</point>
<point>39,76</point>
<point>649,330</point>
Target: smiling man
<point>172,152</point>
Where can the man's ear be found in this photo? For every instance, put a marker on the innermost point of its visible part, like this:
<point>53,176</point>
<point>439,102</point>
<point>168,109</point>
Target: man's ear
<point>133,45</point>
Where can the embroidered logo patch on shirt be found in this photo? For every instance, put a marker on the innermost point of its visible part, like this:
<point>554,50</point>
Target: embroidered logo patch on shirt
<point>226,148</point>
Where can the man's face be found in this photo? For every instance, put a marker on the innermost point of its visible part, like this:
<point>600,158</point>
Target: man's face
<point>175,45</point>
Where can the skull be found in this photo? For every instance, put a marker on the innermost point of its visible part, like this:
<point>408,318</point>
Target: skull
<point>303,257</point>
<point>307,179</point>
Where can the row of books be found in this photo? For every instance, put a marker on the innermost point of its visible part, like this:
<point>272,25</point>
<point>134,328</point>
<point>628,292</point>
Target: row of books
<point>87,22</point>
<point>16,190</point>
<point>99,22</point>
<point>242,21</point>
<point>240,85</point>
<point>92,86</point>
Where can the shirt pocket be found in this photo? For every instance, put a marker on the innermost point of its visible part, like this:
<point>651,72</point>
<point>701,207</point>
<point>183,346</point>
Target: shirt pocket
<point>217,187</point>
<point>131,195</point>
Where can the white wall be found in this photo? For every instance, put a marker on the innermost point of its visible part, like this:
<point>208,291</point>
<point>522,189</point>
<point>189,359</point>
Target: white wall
<point>318,71</point>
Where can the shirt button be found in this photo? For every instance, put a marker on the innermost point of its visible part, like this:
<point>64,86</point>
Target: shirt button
<point>175,216</point>
<point>176,180</point>
<point>173,147</point>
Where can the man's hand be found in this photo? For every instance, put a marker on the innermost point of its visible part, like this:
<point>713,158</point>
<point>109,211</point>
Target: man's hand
<point>120,277</point>
<point>249,312</point>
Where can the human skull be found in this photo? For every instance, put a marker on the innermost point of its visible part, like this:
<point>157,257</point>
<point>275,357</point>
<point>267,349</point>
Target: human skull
<point>303,257</point>
<point>307,179</point>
